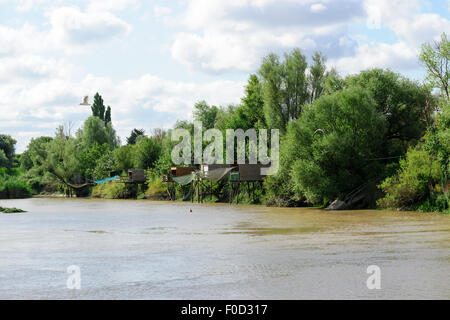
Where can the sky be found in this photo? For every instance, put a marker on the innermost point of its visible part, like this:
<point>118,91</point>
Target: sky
<point>152,60</point>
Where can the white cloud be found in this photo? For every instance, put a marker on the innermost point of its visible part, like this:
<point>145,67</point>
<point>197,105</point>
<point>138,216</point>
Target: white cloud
<point>112,5</point>
<point>400,56</point>
<point>25,5</point>
<point>31,67</point>
<point>234,35</point>
<point>317,7</point>
<point>411,27</point>
<point>71,30</point>
<point>25,39</point>
<point>405,19</point>
<point>161,11</point>
<point>74,27</point>
<point>44,102</point>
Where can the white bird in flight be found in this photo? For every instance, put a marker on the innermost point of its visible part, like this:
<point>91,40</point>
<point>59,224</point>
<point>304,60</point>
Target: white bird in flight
<point>85,101</point>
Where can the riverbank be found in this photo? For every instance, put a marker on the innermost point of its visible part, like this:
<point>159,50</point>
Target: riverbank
<point>207,202</point>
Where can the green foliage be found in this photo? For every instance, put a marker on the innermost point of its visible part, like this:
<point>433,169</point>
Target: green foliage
<point>110,190</point>
<point>206,114</point>
<point>317,75</point>
<point>400,101</point>
<point>36,153</point>
<point>11,210</point>
<point>435,57</point>
<point>123,158</point>
<point>98,108</point>
<point>7,150</point>
<point>326,151</point>
<point>250,114</point>
<point>94,132</point>
<point>413,182</point>
<point>135,133</point>
<point>13,187</point>
<point>157,190</point>
<point>146,152</point>
<point>4,161</point>
<point>108,115</point>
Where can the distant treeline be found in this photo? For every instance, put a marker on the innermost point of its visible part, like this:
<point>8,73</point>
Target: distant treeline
<point>376,131</point>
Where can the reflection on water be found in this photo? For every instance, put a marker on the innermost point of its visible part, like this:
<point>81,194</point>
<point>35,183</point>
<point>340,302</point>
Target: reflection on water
<point>158,250</point>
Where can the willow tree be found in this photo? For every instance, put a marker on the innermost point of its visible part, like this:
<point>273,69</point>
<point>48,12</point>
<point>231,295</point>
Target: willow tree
<point>285,88</point>
<point>435,57</point>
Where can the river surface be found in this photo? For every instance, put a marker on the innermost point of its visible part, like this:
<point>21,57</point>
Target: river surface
<point>130,249</point>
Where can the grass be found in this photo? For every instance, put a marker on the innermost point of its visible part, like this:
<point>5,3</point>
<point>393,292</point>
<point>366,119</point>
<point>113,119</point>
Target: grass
<point>11,210</point>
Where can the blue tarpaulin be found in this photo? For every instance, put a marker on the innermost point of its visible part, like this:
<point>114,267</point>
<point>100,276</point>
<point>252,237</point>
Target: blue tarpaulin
<point>106,180</point>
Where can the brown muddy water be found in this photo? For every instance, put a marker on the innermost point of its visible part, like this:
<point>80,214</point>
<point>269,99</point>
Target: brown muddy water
<point>128,249</point>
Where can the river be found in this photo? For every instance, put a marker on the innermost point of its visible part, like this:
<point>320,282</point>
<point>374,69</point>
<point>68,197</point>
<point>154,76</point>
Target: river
<point>138,249</point>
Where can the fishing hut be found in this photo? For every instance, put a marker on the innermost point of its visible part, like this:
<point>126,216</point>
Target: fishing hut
<point>134,179</point>
<point>249,174</point>
<point>181,175</point>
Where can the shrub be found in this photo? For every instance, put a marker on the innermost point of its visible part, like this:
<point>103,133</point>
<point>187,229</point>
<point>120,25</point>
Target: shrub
<point>110,190</point>
<point>156,189</point>
<point>12,187</point>
<point>413,182</point>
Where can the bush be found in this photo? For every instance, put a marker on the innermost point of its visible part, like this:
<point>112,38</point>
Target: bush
<point>413,182</point>
<point>110,190</point>
<point>156,189</point>
<point>12,187</point>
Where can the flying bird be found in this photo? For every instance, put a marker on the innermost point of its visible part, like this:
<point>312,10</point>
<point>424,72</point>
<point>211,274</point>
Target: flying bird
<point>85,101</point>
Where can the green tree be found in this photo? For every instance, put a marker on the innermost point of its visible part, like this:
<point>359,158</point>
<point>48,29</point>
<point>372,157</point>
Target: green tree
<point>4,161</point>
<point>206,114</point>
<point>95,131</point>
<point>253,103</point>
<point>285,88</point>
<point>317,73</point>
<point>108,115</point>
<point>123,158</point>
<point>146,152</point>
<point>435,57</point>
<point>98,108</point>
<point>332,143</point>
<point>272,80</point>
<point>135,133</point>
<point>401,102</point>
<point>7,149</point>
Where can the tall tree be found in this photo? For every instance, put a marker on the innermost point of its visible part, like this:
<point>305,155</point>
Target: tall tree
<point>135,133</point>
<point>108,115</point>
<point>271,74</point>
<point>253,102</point>
<point>205,114</point>
<point>330,144</point>
<point>295,84</point>
<point>7,150</point>
<point>317,72</point>
<point>401,101</point>
<point>94,131</point>
<point>146,152</point>
<point>98,108</point>
<point>435,57</point>
<point>284,88</point>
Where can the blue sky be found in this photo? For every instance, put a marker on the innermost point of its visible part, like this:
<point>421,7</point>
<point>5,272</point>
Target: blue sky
<point>152,60</point>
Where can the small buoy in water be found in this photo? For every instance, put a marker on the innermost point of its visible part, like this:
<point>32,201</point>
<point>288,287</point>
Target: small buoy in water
<point>190,210</point>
